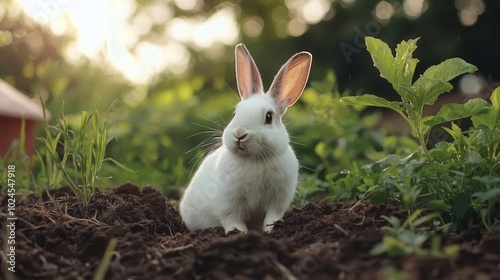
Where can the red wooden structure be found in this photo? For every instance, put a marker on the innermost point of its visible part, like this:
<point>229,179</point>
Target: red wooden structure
<point>14,106</point>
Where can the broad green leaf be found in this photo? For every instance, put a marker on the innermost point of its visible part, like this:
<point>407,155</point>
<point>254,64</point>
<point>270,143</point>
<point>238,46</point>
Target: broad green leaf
<point>371,100</point>
<point>485,196</point>
<point>395,222</point>
<point>377,196</point>
<point>495,98</point>
<point>491,116</point>
<point>473,157</point>
<point>451,112</point>
<point>487,118</point>
<point>434,81</point>
<point>449,69</point>
<point>397,70</point>
<point>382,58</point>
<point>429,89</point>
<point>413,239</point>
<point>405,49</point>
<point>490,180</point>
<point>438,205</point>
<point>404,62</point>
<point>409,96</point>
<point>455,132</point>
<point>378,249</point>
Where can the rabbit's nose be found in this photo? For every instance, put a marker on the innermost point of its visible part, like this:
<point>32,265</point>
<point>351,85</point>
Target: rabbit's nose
<point>240,139</point>
<point>241,136</point>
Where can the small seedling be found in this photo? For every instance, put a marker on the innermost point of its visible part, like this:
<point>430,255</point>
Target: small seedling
<point>77,155</point>
<point>407,239</point>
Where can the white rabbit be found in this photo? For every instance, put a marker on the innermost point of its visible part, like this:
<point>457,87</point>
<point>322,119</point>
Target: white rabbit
<point>250,180</point>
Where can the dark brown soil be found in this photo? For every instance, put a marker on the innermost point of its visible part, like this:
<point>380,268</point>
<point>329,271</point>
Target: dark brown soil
<point>319,241</point>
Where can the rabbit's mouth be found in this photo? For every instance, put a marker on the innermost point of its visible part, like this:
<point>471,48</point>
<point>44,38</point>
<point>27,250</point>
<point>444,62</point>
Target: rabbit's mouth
<point>241,148</point>
<point>240,145</point>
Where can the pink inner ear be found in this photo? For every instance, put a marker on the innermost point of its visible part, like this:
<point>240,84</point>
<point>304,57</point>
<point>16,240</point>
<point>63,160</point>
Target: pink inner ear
<point>289,84</point>
<point>256,80</point>
<point>247,73</point>
<point>295,81</point>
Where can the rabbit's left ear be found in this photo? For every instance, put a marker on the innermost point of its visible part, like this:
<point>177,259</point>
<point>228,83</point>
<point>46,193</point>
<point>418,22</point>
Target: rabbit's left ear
<point>247,74</point>
<point>291,80</point>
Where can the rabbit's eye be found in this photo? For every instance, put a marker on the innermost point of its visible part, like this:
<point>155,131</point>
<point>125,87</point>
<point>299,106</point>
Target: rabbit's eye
<point>234,113</point>
<point>269,117</point>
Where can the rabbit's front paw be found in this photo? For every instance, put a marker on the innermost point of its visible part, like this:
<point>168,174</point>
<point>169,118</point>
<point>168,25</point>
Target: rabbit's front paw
<point>270,219</point>
<point>235,225</point>
<point>268,228</point>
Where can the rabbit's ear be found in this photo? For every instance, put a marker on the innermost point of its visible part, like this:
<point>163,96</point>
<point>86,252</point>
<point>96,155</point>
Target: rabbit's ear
<point>247,74</point>
<point>290,81</point>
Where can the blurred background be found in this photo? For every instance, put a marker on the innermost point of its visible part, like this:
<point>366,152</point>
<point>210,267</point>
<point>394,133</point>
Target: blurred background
<point>166,68</point>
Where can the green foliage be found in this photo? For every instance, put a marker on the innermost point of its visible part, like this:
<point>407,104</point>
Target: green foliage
<point>487,158</point>
<point>399,70</point>
<point>407,239</point>
<point>460,178</point>
<point>336,141</point>
<point>76,156</point>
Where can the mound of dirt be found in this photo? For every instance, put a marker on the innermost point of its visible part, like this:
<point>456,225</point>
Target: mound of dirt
<point>319,241</point>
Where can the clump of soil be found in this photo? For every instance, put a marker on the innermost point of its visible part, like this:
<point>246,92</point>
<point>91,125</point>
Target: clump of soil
<point>319,241</point>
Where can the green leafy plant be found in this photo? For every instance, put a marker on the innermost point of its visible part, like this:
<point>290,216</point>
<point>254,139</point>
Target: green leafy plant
<point>488,131</point>
<point>76,156</point>
<point>459,179</point>
<point>407,238</point>
<point>399,71</point>
<point>335,142</point>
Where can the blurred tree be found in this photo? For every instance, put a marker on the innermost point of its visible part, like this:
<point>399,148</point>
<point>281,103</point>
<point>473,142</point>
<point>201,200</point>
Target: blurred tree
<point>32,59</point>
<point>333,30</point>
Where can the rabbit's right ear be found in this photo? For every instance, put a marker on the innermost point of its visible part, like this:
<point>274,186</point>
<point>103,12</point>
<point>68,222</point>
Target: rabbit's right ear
<point>247,74</point>
<point>291,80</point>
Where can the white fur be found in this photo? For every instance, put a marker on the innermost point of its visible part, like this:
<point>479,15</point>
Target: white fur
<point>251,179</point>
